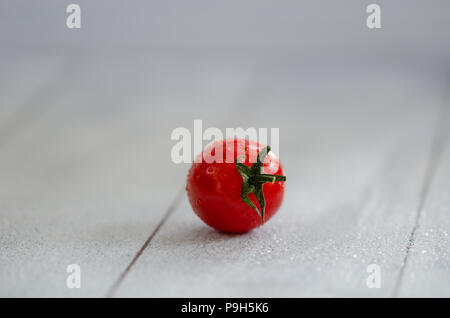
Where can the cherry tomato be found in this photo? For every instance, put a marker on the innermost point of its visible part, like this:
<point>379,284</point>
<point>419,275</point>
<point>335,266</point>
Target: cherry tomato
<point>235,195</point>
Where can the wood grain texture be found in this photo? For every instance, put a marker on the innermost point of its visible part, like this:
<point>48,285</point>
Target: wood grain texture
<point>92,177</point>
<point>355,167</point>
<point>427,265</point>
<point>90,181</point>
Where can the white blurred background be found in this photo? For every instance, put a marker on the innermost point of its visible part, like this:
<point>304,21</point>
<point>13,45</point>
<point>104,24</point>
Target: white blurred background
<point>310,28</point>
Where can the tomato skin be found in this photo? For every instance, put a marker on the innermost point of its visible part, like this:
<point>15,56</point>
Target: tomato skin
<point>214,189</point>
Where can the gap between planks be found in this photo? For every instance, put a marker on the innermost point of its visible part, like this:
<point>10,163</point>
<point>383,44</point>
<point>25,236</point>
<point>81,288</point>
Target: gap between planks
<point>175,203</point>
<point>173,206</point>
<point>439,139</point>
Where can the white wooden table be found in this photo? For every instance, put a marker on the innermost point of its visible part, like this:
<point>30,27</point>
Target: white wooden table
<point>86,177</point>
<point>85,170</point>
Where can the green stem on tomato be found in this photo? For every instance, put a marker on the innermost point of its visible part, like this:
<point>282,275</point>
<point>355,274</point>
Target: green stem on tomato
<point>253,179</point>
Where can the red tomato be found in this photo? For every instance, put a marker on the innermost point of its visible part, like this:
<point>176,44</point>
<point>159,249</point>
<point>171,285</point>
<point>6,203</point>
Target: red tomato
<point>222,194</point>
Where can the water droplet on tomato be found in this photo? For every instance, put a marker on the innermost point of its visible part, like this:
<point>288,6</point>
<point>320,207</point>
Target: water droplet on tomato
<point>210,170</point>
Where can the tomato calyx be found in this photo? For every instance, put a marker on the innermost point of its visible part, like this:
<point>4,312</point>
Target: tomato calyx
<point>253,179</point>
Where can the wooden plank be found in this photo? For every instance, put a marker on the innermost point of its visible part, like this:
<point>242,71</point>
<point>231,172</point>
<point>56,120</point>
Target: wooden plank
<point>20,80</point>
<point>354,142</point>
<point>91,179</point>
<point>78,186</point>
<point>426,265</point>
